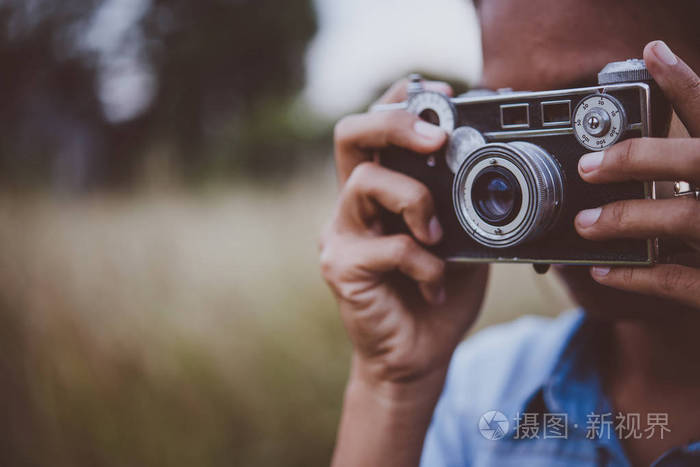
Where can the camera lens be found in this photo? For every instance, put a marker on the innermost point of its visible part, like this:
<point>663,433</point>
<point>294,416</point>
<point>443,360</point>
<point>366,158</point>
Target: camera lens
<point>508,194</point>
<point>496,195</point>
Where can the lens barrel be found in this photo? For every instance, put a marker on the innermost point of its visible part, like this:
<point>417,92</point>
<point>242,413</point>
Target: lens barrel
<point>508,194</point>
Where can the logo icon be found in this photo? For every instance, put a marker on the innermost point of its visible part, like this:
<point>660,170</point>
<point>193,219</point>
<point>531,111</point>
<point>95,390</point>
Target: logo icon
<point>493,425</point>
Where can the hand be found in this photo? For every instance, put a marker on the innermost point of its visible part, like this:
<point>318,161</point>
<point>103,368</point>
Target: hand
<point>649,159</point>
<point>404,310</point>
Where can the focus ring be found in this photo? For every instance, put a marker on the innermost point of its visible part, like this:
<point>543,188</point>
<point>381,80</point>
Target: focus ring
<point>541,184</point>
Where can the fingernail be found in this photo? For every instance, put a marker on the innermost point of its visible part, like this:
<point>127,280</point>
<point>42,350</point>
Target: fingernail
<point>600,271</point>
<point>664,54</point>
<point>429,131</point>
<point>588,217</point>
<point>591,162</point>
<point>435,230</point>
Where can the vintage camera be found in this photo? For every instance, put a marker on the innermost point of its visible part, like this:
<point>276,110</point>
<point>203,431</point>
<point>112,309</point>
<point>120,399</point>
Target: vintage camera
<point>506,185</point>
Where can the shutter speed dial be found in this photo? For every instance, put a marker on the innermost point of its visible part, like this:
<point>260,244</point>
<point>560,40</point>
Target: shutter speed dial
<point>599,120</point>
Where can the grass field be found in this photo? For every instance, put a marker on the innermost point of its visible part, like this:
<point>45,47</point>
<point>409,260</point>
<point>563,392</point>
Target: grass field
<point>169,328</point>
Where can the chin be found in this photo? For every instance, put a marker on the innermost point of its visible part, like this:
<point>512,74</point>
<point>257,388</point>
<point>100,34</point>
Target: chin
<point>610,304</point>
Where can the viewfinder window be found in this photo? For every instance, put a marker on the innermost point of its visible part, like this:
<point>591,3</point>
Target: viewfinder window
<point>556,113</point>
<point>515,116</point>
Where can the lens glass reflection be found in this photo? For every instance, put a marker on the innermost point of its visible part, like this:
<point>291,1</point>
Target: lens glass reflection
<point>496,195</point>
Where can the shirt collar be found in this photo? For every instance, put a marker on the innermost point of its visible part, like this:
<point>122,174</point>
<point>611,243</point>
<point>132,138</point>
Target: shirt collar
<point>574,387</point>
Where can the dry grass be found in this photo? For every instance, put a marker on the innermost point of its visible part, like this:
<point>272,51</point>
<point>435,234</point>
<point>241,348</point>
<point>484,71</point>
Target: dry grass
<point>176,329</point>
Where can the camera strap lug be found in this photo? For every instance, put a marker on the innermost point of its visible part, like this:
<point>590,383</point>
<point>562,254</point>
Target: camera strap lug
<point>541,268</point>
<point>685,189</point>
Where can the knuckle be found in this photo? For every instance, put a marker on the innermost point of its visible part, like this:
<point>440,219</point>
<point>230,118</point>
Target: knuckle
<point>331,259</point>
<point>341,131</point>
<point>623,156</point>
<point>359,176</point>
<point>328,263</point>
<point>417,197</point>
<point>404,246</point>
<point>620,213</point>
<point>395,127</point>
<point>686,216</point>
<point>692,85</point>
<point>628,275</point>
<point>336,271</point>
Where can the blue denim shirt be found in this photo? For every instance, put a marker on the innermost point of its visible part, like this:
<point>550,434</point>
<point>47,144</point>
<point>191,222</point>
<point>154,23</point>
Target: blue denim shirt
<point>528,393</point>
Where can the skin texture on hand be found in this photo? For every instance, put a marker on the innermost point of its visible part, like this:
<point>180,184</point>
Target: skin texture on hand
<point>394,305</point>
<point>404,309</point>
<point>647,159</point>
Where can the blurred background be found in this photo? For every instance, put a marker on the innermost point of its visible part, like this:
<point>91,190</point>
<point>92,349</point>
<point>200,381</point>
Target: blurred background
<point>165,168</point>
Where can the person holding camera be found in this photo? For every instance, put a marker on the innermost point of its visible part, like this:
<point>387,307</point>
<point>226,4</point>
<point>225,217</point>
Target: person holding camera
<point>626,362</point>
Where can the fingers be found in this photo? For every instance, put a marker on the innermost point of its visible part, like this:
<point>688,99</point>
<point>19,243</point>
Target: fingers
<point>644,159</point>
<point>372,187</point>
<point>357,136</point>
<point>646,219</point>
<point>641,219</point>
<point>648,159</point>
<point>672,281</point>
<point>353,259</point>
<point>679,83</point>
<point>402,253</point>
<point>398,91</point>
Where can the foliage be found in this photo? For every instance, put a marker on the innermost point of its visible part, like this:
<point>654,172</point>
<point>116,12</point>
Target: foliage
<point>222,71</point>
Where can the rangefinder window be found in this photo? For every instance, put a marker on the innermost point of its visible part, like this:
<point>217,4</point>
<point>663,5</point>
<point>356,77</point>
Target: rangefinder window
<point>556,113</point>
<point>515,116</point>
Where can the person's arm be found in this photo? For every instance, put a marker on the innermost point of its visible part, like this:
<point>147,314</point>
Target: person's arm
<point>404,310</point>
<point>385,424</point>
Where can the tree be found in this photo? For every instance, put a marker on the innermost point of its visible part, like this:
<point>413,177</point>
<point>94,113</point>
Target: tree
<point>224,71</point>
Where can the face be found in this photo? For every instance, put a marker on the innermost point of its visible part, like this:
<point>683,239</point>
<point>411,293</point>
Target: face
<point>526,49</point>
<point>550,44</point>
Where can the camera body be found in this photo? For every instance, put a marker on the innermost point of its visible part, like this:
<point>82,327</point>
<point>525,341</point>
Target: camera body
<point>506,185</point>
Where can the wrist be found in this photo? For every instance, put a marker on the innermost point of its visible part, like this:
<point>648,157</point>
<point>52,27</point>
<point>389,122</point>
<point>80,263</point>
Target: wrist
<point>384,421</point>
<point>417,393</point>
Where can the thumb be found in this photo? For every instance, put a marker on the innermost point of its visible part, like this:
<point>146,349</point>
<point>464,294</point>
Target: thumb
<point>679,83</point>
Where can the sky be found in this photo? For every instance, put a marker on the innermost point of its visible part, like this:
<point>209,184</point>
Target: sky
<point>362,45</point>
<point>126,82</point>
